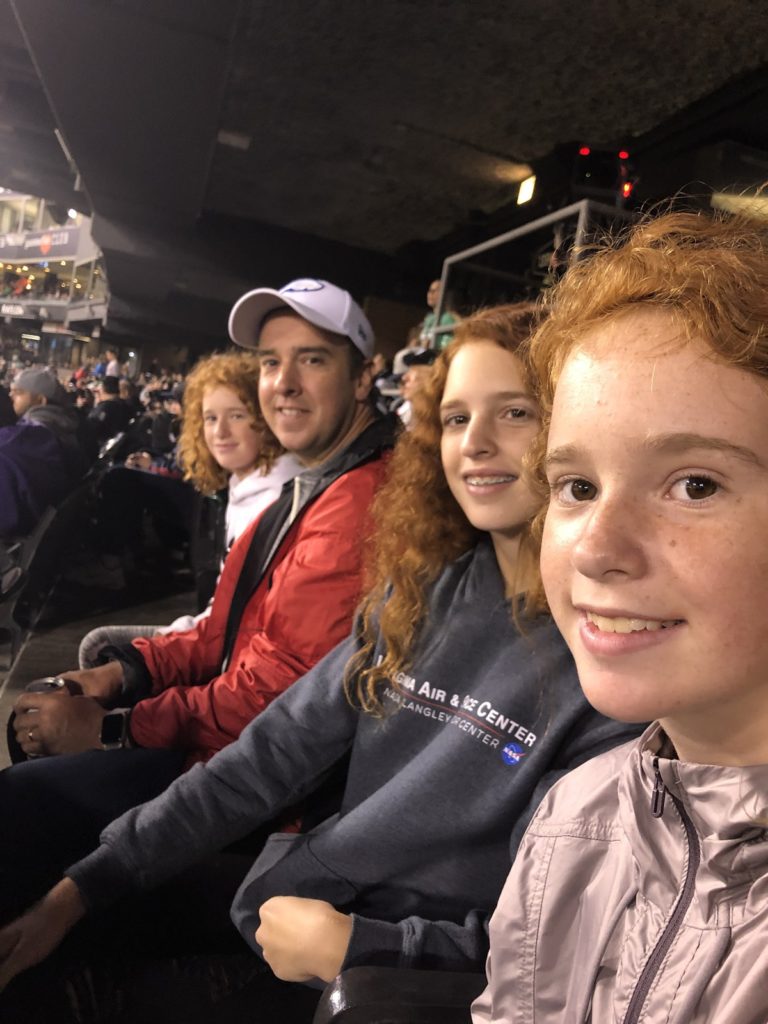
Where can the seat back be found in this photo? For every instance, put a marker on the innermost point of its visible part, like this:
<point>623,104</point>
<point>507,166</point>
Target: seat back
<point>387,995</point>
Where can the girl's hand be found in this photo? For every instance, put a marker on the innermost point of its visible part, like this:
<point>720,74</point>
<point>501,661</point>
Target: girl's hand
<point>302,938</point>
<point>32,937</point>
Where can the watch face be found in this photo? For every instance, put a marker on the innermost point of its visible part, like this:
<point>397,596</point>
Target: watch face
<point>112,729</point>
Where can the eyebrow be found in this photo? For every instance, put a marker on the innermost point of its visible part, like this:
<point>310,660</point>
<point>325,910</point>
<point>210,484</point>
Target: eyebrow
<point>504,396</point>
<point>306,350</point>
<point>671,444</point>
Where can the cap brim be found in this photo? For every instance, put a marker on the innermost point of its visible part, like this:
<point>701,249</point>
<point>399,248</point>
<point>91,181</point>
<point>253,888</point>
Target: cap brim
<point>249,311</point>
<point>247,315</point>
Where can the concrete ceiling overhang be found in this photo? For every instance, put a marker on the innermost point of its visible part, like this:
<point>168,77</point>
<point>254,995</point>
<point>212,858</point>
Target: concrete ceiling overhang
<point>222,143</point>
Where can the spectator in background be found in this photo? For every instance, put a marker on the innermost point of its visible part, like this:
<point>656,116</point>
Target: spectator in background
<point>7,414</point>
<point>112,368</point>
<point>81,373</point>
<point>38,397</point>
<point>41,459</point>
<point>166,427</point>
<point>430,335</point>
<point>84,399</point>
<point>110,415</point>
<point>418,369</point>
<point>127,391</point>
<point>412,345</point>
<point>33,476</point>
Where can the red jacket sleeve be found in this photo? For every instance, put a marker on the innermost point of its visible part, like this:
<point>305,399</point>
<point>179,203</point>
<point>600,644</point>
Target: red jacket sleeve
<point>302,609</point>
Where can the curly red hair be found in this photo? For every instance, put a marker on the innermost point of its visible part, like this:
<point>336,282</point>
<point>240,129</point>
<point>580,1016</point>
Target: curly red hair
<point>238,371</point>
<point>708,271</point>
<point>419,527</point>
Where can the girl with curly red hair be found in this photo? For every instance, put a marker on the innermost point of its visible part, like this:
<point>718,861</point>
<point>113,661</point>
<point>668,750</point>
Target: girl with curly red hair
<point>639,892</point>
<point>225,442</point>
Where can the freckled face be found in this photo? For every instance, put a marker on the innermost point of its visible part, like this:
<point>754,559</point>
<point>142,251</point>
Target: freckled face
<point>655,559</point>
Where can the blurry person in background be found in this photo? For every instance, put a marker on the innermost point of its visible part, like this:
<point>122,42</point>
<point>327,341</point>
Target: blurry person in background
<point>110,415</point>
<point>128,392</point>
<point>41,458</point>
<point>113,363</point>
<point>38,397</point>
<point>418,369</point>
<point>431,334</point>
<point>413,344</point>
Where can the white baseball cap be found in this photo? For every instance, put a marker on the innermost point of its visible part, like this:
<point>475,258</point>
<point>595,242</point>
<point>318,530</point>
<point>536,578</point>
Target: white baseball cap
<point>318,302</point>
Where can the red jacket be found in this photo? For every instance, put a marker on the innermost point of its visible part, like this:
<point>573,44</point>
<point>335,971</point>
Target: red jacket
<point>302,608</point>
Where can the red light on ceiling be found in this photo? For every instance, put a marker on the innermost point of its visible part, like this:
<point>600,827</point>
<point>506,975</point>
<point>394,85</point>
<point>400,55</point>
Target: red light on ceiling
<point>623,154</point>
<point>585,151</point>
<point>626,189</point>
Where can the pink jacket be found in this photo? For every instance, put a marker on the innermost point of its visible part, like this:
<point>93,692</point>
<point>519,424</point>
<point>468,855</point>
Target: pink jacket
<point>614,916</point>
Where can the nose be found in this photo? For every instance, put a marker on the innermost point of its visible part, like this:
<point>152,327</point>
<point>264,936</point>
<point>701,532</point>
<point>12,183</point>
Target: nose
<point>287,380</point>
<point>478,440</point>
<point>221,427</point>
<point>609,544</point>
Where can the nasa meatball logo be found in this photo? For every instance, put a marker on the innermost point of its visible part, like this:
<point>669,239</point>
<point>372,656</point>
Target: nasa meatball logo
<point>513,753</point>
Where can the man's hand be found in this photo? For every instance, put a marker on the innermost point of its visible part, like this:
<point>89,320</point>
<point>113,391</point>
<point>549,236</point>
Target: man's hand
<point>31,937</point>
<point>104,683</point>
<point>57,723</point>
<point>139,460</point>
<point>303,939</point>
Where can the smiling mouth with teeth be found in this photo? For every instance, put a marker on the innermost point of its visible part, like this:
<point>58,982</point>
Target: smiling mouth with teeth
<point>621,624</point>
<point>487,481</point>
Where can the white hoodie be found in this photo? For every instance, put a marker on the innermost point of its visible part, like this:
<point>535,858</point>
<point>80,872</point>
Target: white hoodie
<point>248,497</point>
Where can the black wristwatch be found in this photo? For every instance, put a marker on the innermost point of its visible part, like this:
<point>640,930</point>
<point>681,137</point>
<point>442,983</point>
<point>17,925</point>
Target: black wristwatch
<point>114,729</point>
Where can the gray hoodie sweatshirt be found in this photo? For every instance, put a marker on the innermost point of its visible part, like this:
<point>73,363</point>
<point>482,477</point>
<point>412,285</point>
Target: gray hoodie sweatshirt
<point>437,794</point>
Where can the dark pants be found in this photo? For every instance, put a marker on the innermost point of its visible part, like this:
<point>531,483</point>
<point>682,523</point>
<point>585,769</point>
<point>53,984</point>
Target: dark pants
<point>169,956</point>
<point>126,990</point>
<point>53,809</point>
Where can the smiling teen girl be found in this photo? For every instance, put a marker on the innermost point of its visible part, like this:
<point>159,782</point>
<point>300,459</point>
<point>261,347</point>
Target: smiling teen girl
<point>224,441</point>
<point>454,722</point>
<point>640,892</point>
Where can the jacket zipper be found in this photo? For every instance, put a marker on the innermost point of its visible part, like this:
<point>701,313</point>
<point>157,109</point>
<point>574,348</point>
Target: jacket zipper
<point>672,927</point>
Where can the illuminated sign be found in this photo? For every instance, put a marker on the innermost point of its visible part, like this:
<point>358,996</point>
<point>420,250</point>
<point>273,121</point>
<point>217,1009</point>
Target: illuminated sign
<point>55,242</point>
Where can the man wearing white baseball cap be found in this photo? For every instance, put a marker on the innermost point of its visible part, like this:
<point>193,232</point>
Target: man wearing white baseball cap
<point>286,595</point>
<point>315,346</point>
<point>318,302</point>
